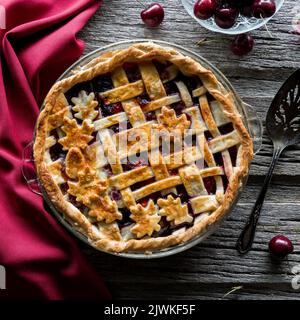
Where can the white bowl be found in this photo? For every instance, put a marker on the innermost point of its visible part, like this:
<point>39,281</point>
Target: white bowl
<point>242,25</point>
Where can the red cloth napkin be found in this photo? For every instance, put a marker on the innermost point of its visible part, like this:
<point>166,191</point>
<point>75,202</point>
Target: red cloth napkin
<point>40,257</point>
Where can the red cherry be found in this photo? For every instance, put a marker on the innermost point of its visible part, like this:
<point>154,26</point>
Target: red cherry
<point>280,246</point>
<point>246,11</point>
<point>205,9</point>
<point>242,44</point>
<point>153,15</point>
<point>144,202</point>
<point>263,8</point>
<point>225,18</point>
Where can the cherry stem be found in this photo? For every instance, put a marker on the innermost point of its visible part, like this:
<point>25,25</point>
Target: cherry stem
<point>233,289</point>
<point>266,27</point>
<point>207,41</point>
<point>268,31</point>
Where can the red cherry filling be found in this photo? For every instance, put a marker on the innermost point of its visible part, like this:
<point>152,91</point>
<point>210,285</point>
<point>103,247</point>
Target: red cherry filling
<point>144,202</point>
<point>226,128</point>
<point>74,91</point>
<point>118,127</point>
<point>107,170</point>
<point>170,88</point>
<point>111,109</point>
<point>142,184</point>
<point>132,71</point>
<point>125,218</point>
<point>154,196</point>
<point>150,116</point>
<point>164,228</point>
<point>77,204</point>
<point>132,164</point>
<point>64,188</point>
<point>178,107</point>
<point>182,194</point>
<point>143,100</point>
<point>102,83</point>
<point>115,195</point>
<point>210,185</point>
<point>57,152</point>
<point>208,135</point>
<point>233,155</point>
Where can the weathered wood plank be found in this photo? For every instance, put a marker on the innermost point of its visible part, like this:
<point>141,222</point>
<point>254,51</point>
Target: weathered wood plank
<point>209,270</point>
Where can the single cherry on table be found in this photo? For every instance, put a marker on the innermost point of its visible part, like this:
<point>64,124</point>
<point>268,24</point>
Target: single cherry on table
<point>242,44</point>
<point>280,246</point>
<point>153,15</point>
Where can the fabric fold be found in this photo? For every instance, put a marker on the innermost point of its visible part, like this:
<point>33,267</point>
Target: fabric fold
<point>41,259</point>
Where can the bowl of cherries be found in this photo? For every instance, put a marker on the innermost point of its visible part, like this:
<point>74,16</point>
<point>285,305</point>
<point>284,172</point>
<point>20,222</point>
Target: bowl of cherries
<point>232,16</point>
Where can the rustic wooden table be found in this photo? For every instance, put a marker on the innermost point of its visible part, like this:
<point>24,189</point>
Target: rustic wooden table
<point>212,268</point>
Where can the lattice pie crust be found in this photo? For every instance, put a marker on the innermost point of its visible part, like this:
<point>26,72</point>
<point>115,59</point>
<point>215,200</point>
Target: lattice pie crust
<point>153,202</point>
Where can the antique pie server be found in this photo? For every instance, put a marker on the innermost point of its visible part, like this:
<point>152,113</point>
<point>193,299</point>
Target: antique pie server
<point>283,128</point>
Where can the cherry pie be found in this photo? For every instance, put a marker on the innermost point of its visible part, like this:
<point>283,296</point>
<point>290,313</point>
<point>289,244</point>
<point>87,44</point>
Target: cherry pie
<point>142,148</point>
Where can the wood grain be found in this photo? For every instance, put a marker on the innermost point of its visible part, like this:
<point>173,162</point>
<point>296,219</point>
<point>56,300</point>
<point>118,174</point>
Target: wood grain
<point>212,268</point>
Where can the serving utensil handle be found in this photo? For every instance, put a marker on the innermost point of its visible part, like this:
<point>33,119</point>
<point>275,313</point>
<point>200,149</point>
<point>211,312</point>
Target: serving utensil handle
<point>246,237</point>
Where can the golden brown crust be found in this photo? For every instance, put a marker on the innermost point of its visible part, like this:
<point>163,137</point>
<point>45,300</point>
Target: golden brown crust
<point>110,61</point>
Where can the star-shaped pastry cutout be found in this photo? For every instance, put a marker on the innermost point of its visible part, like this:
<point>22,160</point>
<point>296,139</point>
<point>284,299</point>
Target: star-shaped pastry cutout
<point>172,209</point>
<point>87,186</point>
<point>103,209</point>
<point>146,218</point>
<point>169,121</point>
<point>76,135</point>
<point>85,106</point>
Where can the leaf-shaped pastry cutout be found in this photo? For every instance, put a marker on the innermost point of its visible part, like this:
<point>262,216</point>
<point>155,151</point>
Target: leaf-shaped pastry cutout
<point>103,209</point>
<point>88,185</point>
<point>85,106</point>
<point>168,120</point>
<point>74,162</point>
<point>146,218</point>
<point>58,112</point>
<point>76,136</point>
<point>174,210</point>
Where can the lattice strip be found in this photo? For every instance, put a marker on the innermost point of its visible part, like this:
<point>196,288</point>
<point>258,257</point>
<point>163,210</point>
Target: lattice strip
<point>158,104</point>
<point>152,81</point>
<point>132,109</point>
<point>204,204</point>
<point>167,183</point>
<point>123,93</point>
<point>212,126</point>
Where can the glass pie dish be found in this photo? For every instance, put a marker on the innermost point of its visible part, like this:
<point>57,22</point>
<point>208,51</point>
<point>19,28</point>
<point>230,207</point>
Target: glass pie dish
<point>243,24</point>
<point>246,113</point>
